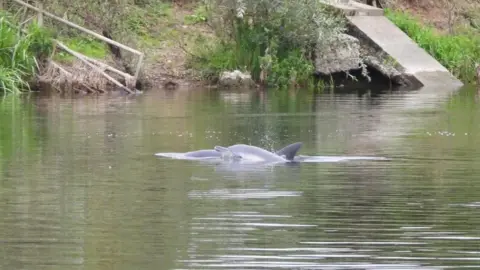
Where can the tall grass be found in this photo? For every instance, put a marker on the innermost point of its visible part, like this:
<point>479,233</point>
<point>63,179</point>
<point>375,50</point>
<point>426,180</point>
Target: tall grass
<point>458,52</point>
<point>18,54</point>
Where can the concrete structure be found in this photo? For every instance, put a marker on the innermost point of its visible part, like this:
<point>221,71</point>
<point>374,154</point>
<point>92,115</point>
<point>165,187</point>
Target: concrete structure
<point>415,61</point>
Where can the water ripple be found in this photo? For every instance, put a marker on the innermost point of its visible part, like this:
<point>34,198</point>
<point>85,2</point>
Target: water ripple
<point>241,194</point>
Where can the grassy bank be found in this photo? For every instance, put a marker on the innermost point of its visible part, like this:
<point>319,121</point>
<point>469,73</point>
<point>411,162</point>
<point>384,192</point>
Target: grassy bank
<point>458,52</point>
<point>19,53</point>
<point>85,45</point>
<point>273,41</point>
<point>152,27</point>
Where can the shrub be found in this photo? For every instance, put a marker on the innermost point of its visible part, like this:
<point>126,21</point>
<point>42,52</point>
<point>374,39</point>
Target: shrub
<point>273,40</point>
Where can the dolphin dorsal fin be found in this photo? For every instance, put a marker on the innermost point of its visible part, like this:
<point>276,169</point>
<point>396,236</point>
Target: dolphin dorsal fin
<point>225,150</point>
<point>290,151</point>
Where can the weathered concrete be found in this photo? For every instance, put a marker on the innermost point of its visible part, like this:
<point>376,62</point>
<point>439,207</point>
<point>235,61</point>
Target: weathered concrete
<point>342,54</point>
<point>353,8</point>
<point>400,47</point>
<point>413,60</point>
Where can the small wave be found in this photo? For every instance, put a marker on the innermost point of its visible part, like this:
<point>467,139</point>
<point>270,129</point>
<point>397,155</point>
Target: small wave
<point>176,155</point>
<point>241,194</point>
<point>310,159</point>
<point>472,205</point>
<point>318,159</point>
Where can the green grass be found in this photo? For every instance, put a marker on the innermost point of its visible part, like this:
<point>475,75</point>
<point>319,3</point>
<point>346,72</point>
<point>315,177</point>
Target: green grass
<point>199,15</point>
<point>18,54</point>
<point>88,46</point>
<point>151,25</point>
<point>146,23</point>
<point>458,52</point>
<point>149,20</point>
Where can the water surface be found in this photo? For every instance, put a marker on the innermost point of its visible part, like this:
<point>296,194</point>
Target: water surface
<point>81,187</point>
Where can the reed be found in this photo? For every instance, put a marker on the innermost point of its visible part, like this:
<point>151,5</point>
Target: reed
<point>20,54</point>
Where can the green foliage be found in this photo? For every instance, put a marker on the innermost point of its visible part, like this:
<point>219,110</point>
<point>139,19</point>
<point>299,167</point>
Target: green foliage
<point>200,15</point>
<point>39,40</point>
<point>270,39</point>
<point>88,46</point>
<point>457,52</point>
<point>12,80</point>
<point>127,21</point>
<point>292,70</point>
<point>212,58</point>
<point>144,20</point>
<point>18,54</point>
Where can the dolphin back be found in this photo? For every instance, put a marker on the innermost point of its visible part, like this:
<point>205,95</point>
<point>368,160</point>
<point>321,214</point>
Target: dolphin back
<point>290,151</point>
<point>226,151</point>
<point>207,153</point>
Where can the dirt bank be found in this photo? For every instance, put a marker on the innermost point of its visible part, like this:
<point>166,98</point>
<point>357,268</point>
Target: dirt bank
<point>445,15</point>
<point>166,61</point>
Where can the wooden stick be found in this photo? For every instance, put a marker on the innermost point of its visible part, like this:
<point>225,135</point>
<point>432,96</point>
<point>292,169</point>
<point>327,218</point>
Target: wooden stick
<point>139,65</point>
<point>27,20</point>
<point>40,13</point>
<point>80,28</point>
<point>63,46</point>
<point>86,59</point>
<point>109,68</point>
<point>70,74</point>
<point>82,58</point>
<point>24,11</point>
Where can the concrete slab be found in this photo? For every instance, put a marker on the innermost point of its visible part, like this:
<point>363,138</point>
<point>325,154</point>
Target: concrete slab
<point>353,8</point>
<point>404,50</point>
<point>366,10</point>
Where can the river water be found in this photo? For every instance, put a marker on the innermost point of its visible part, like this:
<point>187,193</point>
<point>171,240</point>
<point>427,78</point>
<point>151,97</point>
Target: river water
<point>81,187</point>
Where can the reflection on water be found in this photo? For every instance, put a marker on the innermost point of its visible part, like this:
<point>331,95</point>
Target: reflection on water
<point>81,187</point>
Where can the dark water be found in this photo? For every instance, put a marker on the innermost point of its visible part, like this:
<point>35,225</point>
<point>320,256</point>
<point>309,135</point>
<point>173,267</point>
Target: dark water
<point>82,189</point>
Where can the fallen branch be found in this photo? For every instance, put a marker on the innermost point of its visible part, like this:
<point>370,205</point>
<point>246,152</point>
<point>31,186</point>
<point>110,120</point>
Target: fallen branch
<point>85,61</point>
<point>91,90</point>
<point>107,67</point>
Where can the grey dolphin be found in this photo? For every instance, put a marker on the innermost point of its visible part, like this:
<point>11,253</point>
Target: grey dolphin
<point>249,152</point>
<point>290,151</point>
<point>236,151</point>
<point>207,153</point>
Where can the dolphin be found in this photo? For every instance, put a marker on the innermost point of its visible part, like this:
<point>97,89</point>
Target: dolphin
<point>244,151</point>
<point>290,151</point>
<point>205,153</point>
<point>247,154</point>
<point>254,153</point>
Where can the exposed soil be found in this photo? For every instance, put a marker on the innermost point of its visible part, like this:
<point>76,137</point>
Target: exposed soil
<point>166,63</point>
<point>445,15</point>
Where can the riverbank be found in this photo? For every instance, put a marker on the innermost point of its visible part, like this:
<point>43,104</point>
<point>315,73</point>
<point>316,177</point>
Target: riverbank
<point>450,32</point>
<point>184,46</point>
<point>186,30</point>
<point>20,54</point>
<point>164,32</point>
